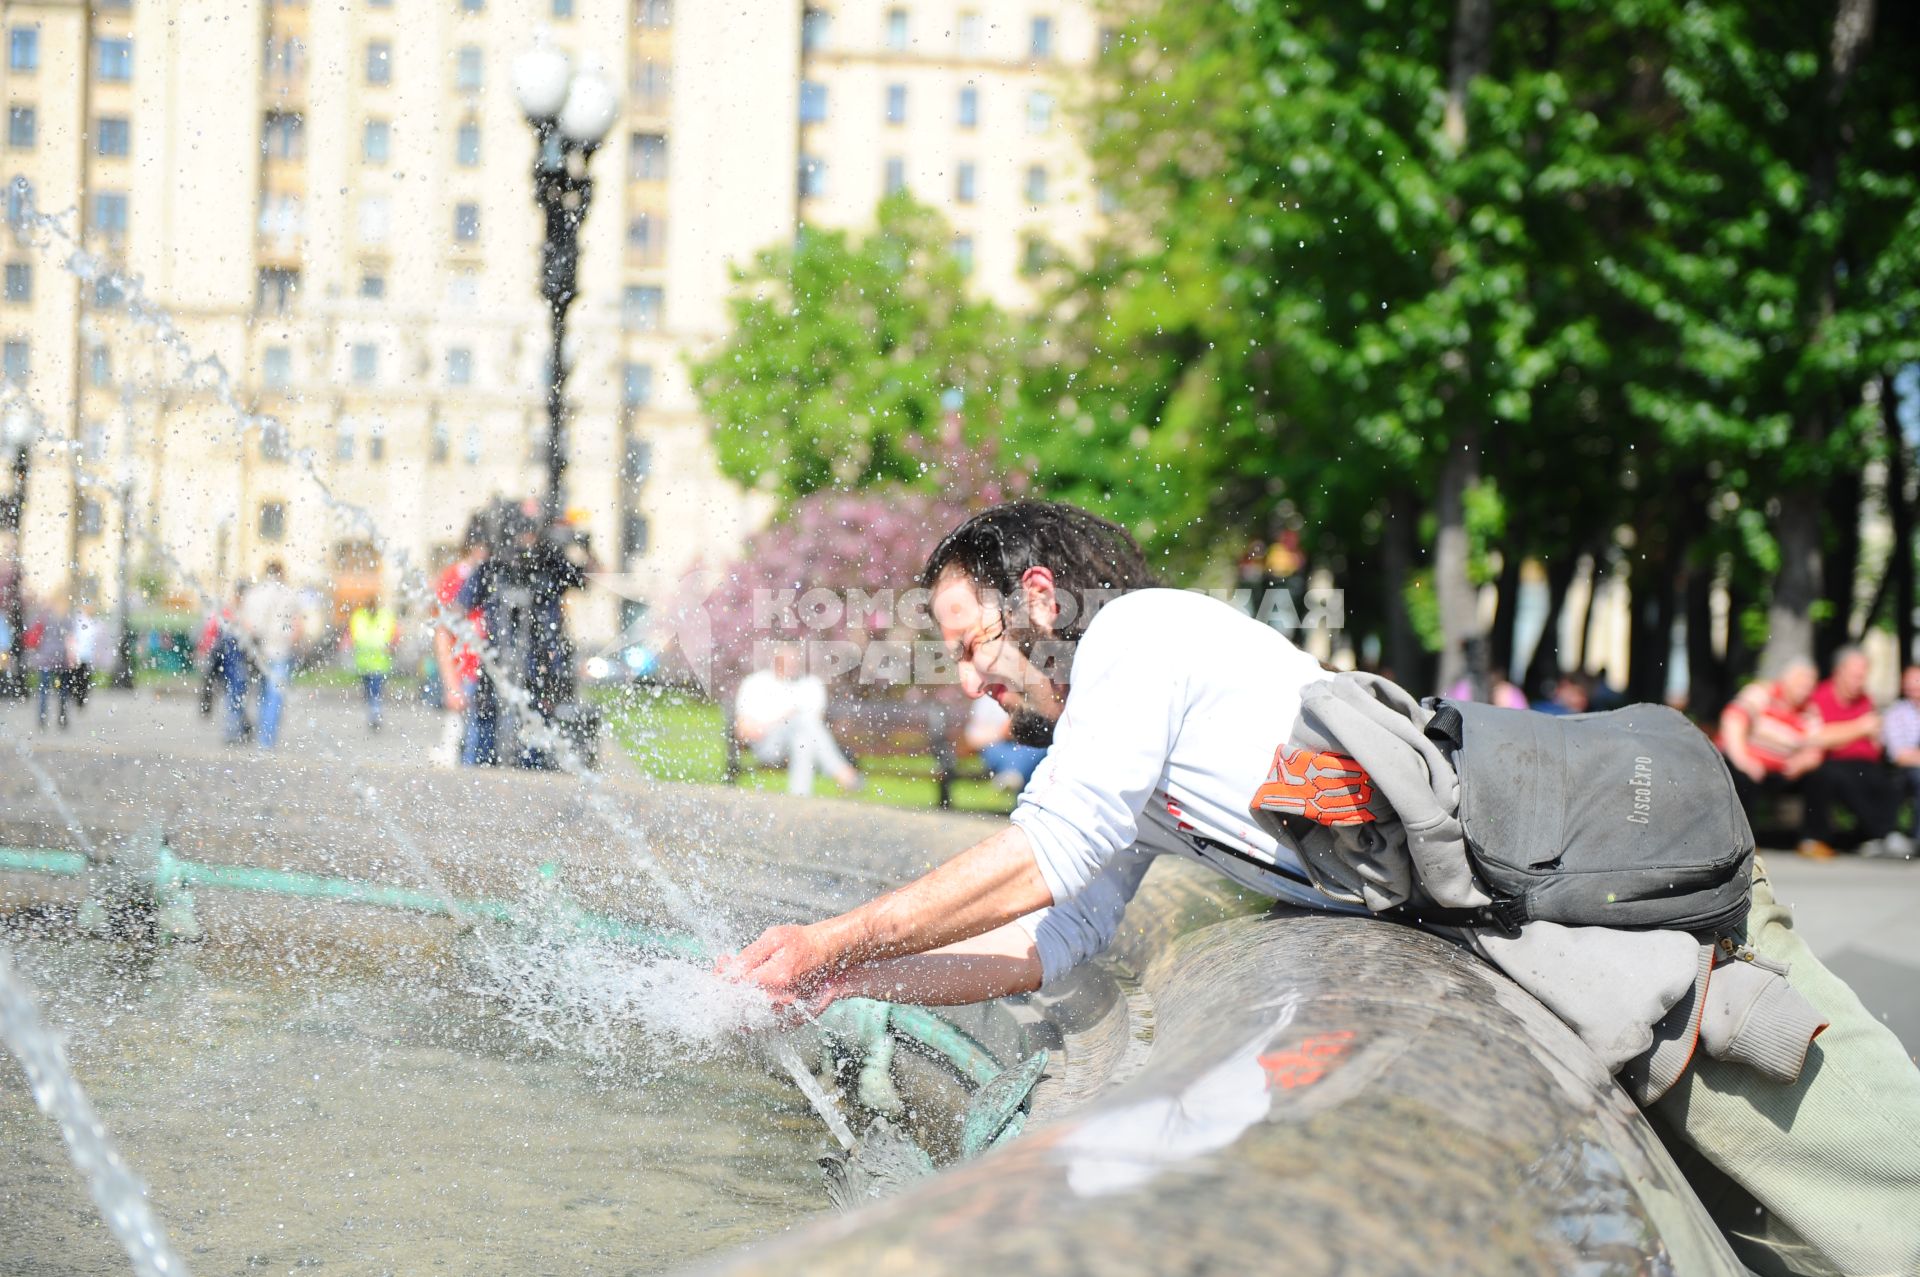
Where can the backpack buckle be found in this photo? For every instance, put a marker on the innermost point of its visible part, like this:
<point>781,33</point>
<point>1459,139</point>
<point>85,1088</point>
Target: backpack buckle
<point>1509,914</point>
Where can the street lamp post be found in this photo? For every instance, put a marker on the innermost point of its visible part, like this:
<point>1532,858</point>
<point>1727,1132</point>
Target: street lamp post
<point>571,113</point>
<point>123,667</point>
<point>17,432</point>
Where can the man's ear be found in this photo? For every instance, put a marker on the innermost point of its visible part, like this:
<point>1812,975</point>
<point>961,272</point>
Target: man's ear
<point>1037,598</point>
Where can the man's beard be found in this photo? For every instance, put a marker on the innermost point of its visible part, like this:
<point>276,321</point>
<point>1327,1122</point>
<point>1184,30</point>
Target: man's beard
<point>1030,728</point>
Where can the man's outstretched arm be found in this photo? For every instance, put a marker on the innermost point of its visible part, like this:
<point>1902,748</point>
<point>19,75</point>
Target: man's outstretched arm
<point>984,887</point>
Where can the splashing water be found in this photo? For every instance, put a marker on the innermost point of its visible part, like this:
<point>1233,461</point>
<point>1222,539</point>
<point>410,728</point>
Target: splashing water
<point>117,1191</point>
<point>659,993</point>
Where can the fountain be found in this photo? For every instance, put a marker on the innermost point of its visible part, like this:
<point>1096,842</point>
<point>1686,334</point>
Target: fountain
<point>401,1019</point>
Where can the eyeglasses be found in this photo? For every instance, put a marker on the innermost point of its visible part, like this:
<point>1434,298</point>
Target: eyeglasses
<point>968,652</point>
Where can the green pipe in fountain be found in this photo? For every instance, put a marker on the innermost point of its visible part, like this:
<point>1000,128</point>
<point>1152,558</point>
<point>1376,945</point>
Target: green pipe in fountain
<point>858,1022</point>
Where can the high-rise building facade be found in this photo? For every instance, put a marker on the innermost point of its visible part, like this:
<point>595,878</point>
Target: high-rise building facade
<point>335,201</point>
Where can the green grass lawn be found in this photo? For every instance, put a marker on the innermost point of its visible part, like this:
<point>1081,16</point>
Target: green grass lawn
<point>681,738</point>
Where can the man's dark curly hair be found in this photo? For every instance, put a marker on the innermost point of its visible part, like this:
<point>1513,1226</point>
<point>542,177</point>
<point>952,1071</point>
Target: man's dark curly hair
<point>1086,554</point>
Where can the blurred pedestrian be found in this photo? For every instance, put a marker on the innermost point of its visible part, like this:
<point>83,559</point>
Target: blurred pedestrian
<point>990,731</point>
<point>373,631</point>
<point>1900,736</point>
<point>47,659</point>
<point>780,713</point>
<point>1770,735</point>
<point>83,649</point>
<point>1572,694</point>
<point>1853,774</point>
<point>462,736</point>
<point>270,618</point>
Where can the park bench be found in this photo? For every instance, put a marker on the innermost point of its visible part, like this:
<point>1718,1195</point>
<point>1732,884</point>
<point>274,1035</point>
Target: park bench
<point>872,728</point>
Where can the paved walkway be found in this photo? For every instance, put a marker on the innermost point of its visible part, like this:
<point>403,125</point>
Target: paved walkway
<point>1861,917</point>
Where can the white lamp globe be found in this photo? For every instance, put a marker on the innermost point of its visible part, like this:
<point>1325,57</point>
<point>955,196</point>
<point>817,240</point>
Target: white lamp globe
<point>590,109</point>
<point>540,79</point>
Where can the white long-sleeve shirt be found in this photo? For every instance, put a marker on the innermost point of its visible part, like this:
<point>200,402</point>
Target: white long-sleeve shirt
<point>1177,704</point>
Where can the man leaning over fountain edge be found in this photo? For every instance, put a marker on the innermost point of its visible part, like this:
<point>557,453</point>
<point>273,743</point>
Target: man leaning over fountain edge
<point>1161,711</point>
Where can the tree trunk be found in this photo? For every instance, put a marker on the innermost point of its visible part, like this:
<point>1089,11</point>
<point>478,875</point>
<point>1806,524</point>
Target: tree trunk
<point>1840,565</point>
<point>1506,608</point>
<point>1543,667</point>
<point>1462,651</point>
<point>1402,655</point>
<point>1583,619</point>
<point>1707,691</point>
<point>1797,586</point>
<point>1900,514</point>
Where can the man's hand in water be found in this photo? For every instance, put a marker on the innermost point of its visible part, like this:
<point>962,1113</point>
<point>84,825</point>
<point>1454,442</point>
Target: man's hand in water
<point>789,962</point>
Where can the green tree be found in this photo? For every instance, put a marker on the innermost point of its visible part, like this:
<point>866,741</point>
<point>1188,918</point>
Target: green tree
<point>841,351</point>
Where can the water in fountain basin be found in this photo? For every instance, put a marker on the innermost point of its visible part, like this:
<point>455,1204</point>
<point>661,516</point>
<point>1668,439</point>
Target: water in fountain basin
<point>381,1124</point>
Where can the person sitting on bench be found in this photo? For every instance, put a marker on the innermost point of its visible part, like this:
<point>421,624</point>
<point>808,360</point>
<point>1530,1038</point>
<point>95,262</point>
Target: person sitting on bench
<point>781,715</point>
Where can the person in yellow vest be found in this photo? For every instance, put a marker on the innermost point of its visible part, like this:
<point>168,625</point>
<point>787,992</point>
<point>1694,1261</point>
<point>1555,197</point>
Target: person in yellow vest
<point>372,632</point>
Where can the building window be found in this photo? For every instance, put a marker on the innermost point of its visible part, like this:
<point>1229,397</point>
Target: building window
<point>969,113</point>
<point>373,285</point>
<point>459,366</point>
<point>343,444</point>
<point>273,521</point>
<point>816,30</point>
<point>106,292</point>
<point>379,62</point>
<point>93,443</point>
<point>636,387</point>
<point>562,8</point>
<point>373,219</point>
<point>283,136</point>
<point>637,463</point>
<point>813,176</point>
<point>647,157</point>
<point>633,534</point>
<point>472,6</point>
<point>463,290</point>
<point>963,184</point>
<point>466,145</point>
<point>110,214</point>
<point>963,253</point>
<point>896,175</point>
<point>1037,184</point>
<point>1041,44</point>
<point>19,281</point>
<point>99,366</point>
<point>640,307</point>
<point>896,104</point>
<point>376,142</point>
<point>113,136</point>
<point>22,125</point>
<point>656,15</point>
<point>649,82</point>
<point>274,443</point>
<point>813,102</point>
<point>276,290</point>
<point>286,58</point>
<point>898,35</point>
<point>366,362</point>
<point>472,449</point>
<point>1034,256</point>
<point>19,201</point>
<point>114,60</point>
<point>439,444</point>
<point>967,34</point>
<point>90,517</point>
<point>647,237</point>
<point>23,49</point>
<point>466,222</point>
<point>377,442</point>
<point>276,367</point>
<point>14,358</point>
<point>1039,112</point>
<point>468,69</point>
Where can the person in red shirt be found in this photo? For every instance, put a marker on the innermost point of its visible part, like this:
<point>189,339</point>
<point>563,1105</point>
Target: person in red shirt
<point>1769,733</point>
<point>1853,773</point>
<point>459,662</point>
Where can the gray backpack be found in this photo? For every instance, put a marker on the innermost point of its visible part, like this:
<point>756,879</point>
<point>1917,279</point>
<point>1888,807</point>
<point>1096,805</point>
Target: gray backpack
<point>1622,819</point>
